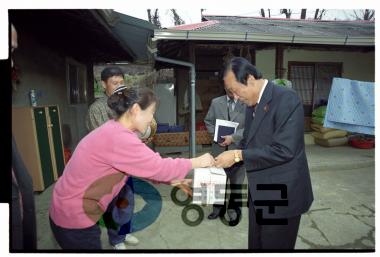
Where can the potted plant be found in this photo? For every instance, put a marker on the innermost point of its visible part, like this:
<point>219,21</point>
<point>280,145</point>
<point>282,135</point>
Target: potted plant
<point>283,82</point>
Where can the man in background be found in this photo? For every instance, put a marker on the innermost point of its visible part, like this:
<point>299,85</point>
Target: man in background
<point>99,112</point>
<point>228,107</point>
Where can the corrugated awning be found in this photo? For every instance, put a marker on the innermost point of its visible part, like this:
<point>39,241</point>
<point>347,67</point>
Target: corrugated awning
<point>270,30</point>
<point>261,37</point>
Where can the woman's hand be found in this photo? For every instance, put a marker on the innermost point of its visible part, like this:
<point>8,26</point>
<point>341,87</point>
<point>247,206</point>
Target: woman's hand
<point>203,161</point>
<point>183,184</point>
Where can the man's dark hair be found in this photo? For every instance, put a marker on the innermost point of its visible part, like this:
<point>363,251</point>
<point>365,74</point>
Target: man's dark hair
<point>109,72</point>
<point>242,68</point>
<point>121,101</point>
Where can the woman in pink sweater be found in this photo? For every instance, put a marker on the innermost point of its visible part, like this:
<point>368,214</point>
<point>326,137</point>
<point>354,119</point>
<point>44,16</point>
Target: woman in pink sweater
<point>100,165</point>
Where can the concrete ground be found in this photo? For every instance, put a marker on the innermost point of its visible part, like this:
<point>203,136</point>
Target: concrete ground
<point>341,217</point>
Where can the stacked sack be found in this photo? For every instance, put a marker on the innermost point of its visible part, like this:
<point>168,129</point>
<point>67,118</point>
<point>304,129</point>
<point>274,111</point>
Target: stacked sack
<point>326,136</point>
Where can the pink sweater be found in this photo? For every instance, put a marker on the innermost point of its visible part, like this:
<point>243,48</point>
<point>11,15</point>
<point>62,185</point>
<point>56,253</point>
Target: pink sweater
<point>98,170</point>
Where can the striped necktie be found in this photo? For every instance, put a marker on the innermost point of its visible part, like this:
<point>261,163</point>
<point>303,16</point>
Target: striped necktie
<point>230,109</point>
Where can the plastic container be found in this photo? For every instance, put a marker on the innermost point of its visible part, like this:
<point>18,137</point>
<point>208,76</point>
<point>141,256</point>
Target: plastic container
<point>363,144</point>
<point>33,98</point>
<point>162,127</point>
<point>176,128</point>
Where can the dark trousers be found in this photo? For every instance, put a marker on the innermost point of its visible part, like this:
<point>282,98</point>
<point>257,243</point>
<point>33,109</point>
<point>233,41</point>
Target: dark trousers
<point>76,239</point>
<point>234,201</point>
<point>271,236</point>
<point>119,220</point>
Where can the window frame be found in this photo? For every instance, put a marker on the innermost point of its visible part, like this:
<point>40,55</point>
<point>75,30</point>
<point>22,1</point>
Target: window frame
<point>315,66</point>
<point>83,94</point>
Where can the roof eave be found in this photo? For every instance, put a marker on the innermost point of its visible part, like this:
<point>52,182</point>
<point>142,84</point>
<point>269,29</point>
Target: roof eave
<point>100,17</point>
<point>165,34</point>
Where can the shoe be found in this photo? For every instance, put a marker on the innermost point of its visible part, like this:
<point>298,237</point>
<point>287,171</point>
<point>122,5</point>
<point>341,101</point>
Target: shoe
<point>120,246</point>
<point>234,219</point>
<point>131,240</point>
<point>232,214</point>
<point>213,215</point>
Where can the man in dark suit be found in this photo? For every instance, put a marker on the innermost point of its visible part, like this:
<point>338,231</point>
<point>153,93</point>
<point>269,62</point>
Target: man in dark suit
<point>273,152</point>
<point>228,107</point>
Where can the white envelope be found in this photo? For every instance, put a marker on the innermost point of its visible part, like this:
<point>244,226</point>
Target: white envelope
<point>209,186</point>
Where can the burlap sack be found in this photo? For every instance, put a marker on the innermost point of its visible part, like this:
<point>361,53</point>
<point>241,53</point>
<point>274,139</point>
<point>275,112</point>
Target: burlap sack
<point>320,128</point>
<point>329,134</point>
<point>331,142</point>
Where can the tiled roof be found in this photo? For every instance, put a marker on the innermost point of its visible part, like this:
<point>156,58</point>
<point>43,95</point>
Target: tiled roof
<point>194,26</point>
<point>215,23</point>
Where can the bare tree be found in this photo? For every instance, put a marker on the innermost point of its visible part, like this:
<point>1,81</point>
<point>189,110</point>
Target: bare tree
<point>303,14</point>
<point>369,14</point>
<point>318,15</point>
<point>287,12</point>
<point>262,12</point>
<point>366,14</point>
<point>202,18</point>
<point>176,18</point>
<point>149,16</point>
<point>156,19</point>
<point>321,14</point>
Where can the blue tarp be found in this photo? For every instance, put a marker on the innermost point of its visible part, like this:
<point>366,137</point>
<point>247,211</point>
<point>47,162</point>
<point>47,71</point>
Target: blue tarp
<point>351,106</point>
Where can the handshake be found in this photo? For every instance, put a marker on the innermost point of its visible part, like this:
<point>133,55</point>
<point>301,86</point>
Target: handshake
<point>223,160</point>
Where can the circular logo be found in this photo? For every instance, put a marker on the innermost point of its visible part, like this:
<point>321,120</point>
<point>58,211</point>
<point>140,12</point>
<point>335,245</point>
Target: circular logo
<point>152,208</point>
<point>128,221</point>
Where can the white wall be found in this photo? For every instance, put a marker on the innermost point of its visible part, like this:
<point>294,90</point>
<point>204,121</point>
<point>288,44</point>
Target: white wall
<point>266,63</point>
<point>43,70</point>
<point>356,65</point>
<point>167,108</point>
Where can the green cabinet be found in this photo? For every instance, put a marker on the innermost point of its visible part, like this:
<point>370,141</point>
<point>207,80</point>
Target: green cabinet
<point>37,131</point>
<point>57,139</point>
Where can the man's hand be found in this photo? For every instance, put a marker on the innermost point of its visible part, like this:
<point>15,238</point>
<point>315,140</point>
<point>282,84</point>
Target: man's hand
<point>183,184</point>
<point>225,159</point>
<point>227,140</point>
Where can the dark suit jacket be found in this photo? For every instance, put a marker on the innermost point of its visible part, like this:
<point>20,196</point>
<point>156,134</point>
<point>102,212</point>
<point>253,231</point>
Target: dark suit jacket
<point>274,151</point>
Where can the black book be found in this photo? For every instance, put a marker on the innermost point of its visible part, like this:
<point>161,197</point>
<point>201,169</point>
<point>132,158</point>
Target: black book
<point>224,131</point>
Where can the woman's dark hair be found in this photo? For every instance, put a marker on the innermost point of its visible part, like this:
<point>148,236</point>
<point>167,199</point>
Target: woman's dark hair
<point>122,100</point>
<point>242,68</point>
<point>109,72</point>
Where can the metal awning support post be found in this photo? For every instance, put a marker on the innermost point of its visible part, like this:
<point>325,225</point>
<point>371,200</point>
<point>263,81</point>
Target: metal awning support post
<point>192,98</point>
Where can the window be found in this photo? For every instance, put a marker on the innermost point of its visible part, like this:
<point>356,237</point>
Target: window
<point>313,81</point>
<point>76,80</point>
